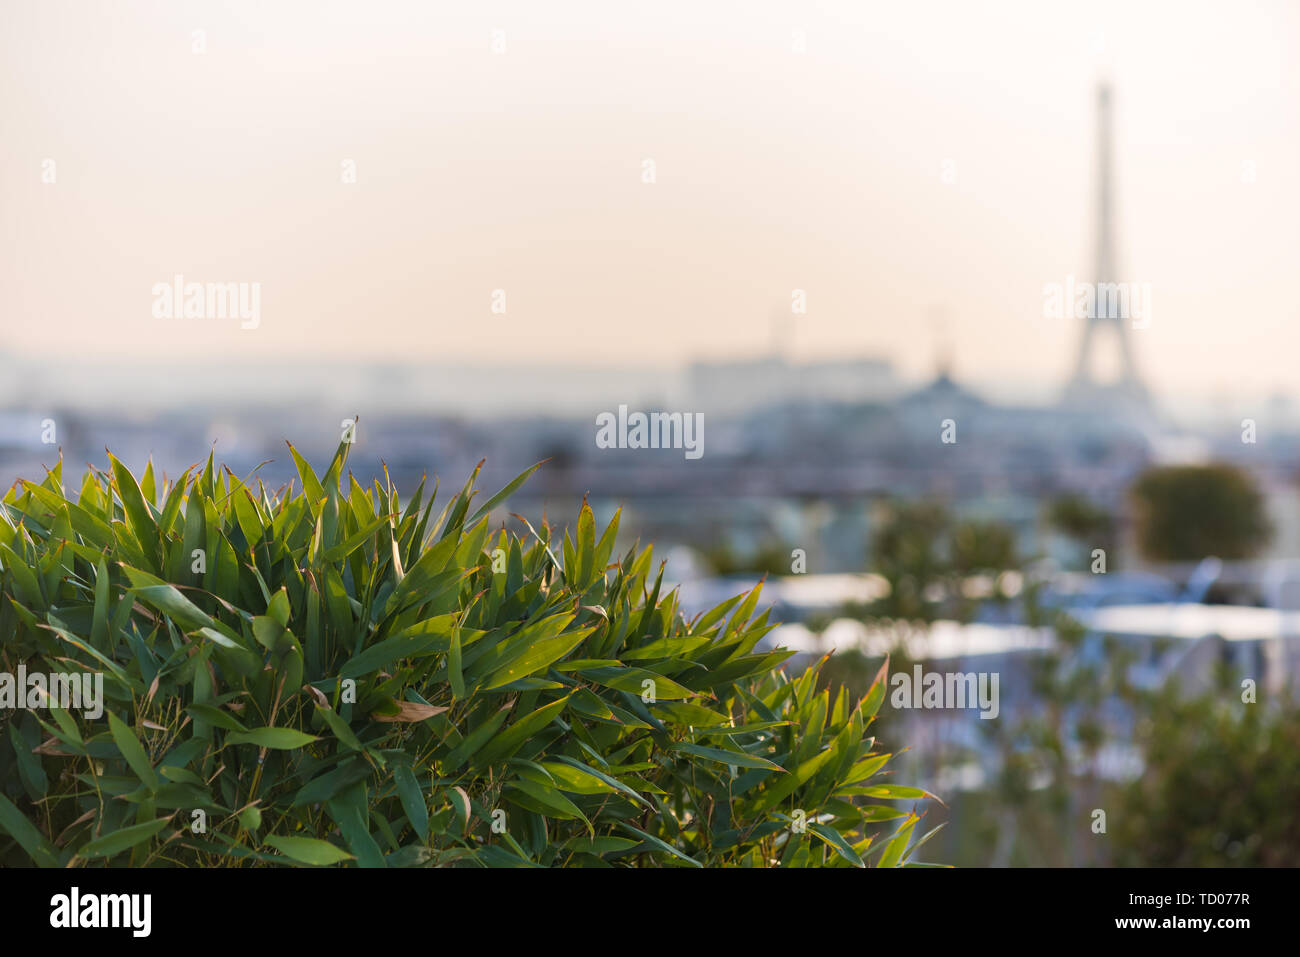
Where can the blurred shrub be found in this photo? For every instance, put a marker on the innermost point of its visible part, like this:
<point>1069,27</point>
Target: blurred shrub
<point>1220,787</point>
<point>1190,512</point>
<point>768,559</point>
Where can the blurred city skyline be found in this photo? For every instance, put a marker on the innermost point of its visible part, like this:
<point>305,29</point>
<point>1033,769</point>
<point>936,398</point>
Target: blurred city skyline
<point>920,188</point>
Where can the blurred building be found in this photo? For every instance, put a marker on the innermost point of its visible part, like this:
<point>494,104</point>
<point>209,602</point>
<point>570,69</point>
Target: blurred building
<point>743,386</point>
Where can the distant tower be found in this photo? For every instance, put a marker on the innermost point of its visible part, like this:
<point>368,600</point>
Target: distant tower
<point>1083,386</point>
<point>942,341</point>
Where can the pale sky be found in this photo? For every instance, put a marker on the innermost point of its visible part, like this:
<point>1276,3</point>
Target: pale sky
<point>522,171</point>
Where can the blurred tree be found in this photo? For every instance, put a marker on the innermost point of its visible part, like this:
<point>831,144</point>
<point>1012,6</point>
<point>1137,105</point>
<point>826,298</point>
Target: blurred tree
<point>928,558</point>
<point>1220,786</point>
<point>1088,524</point>
<point>1190,512</point>
<point>767,559</point>
<point>983,548</point>
<point>1041,765</point>
<point>1218,777</point>
<point>910,550</point>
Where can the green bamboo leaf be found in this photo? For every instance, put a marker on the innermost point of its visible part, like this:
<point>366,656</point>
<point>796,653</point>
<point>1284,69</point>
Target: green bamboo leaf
<point>786,785</point>
<point>605,547</point>
<point>632,680</point>
<point>115,842</point>
<point>308,850</point>
<point>671,646</point>
<point>133,751</point>
<point>66,725</point>
<point>138,519</point>
<point>549,800</point>
<point>876,693</point>
<point>512,738</point>
<point>588,770</point>
<point>310,483</point>
<point>16,825</point>
<point>866,768</point>
<point>504,494</point>
<point>599,845</point>
<point>167,600</point>
<point>26,585</point>
<point>283,739</point>
<point>110,666</point>
<point>837,843</point>
<point>659,844</point>
<point>99,621</point>
<point>172,507</point>
<point>350,810</point>
<point>576,781</point>
<point>689,713</point>
<point>911,851</point>
<point>245,659</point>
<point>427,638</point>
<point>455,675</point>
<point>340,727</point>
<point>585,545</point>
<point>94,530</point>
<point>148,485</point>
<point>412,798</point>
<point>350,544</point>
<point>473,741</point>
<point>893,855</point>
<point>722,756</point>
<point>897,792</point>
<point>538,655</point>
<point>878,812</point>
<point>29,765</point>
<point>219,717</point>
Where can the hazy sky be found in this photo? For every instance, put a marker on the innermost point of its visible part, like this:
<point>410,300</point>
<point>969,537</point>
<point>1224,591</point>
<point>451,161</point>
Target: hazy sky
<point>523,170</point>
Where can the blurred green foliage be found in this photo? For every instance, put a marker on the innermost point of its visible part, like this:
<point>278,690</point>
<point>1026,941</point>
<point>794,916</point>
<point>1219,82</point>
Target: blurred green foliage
<point>1221,786</point>
<point>1190,512</point>
<point>1219,779</point>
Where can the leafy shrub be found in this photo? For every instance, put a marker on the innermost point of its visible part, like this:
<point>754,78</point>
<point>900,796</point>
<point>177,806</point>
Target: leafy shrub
<point>330,675</point>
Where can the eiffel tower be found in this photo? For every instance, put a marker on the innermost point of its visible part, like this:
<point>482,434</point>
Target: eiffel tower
<point>1083,388</point>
